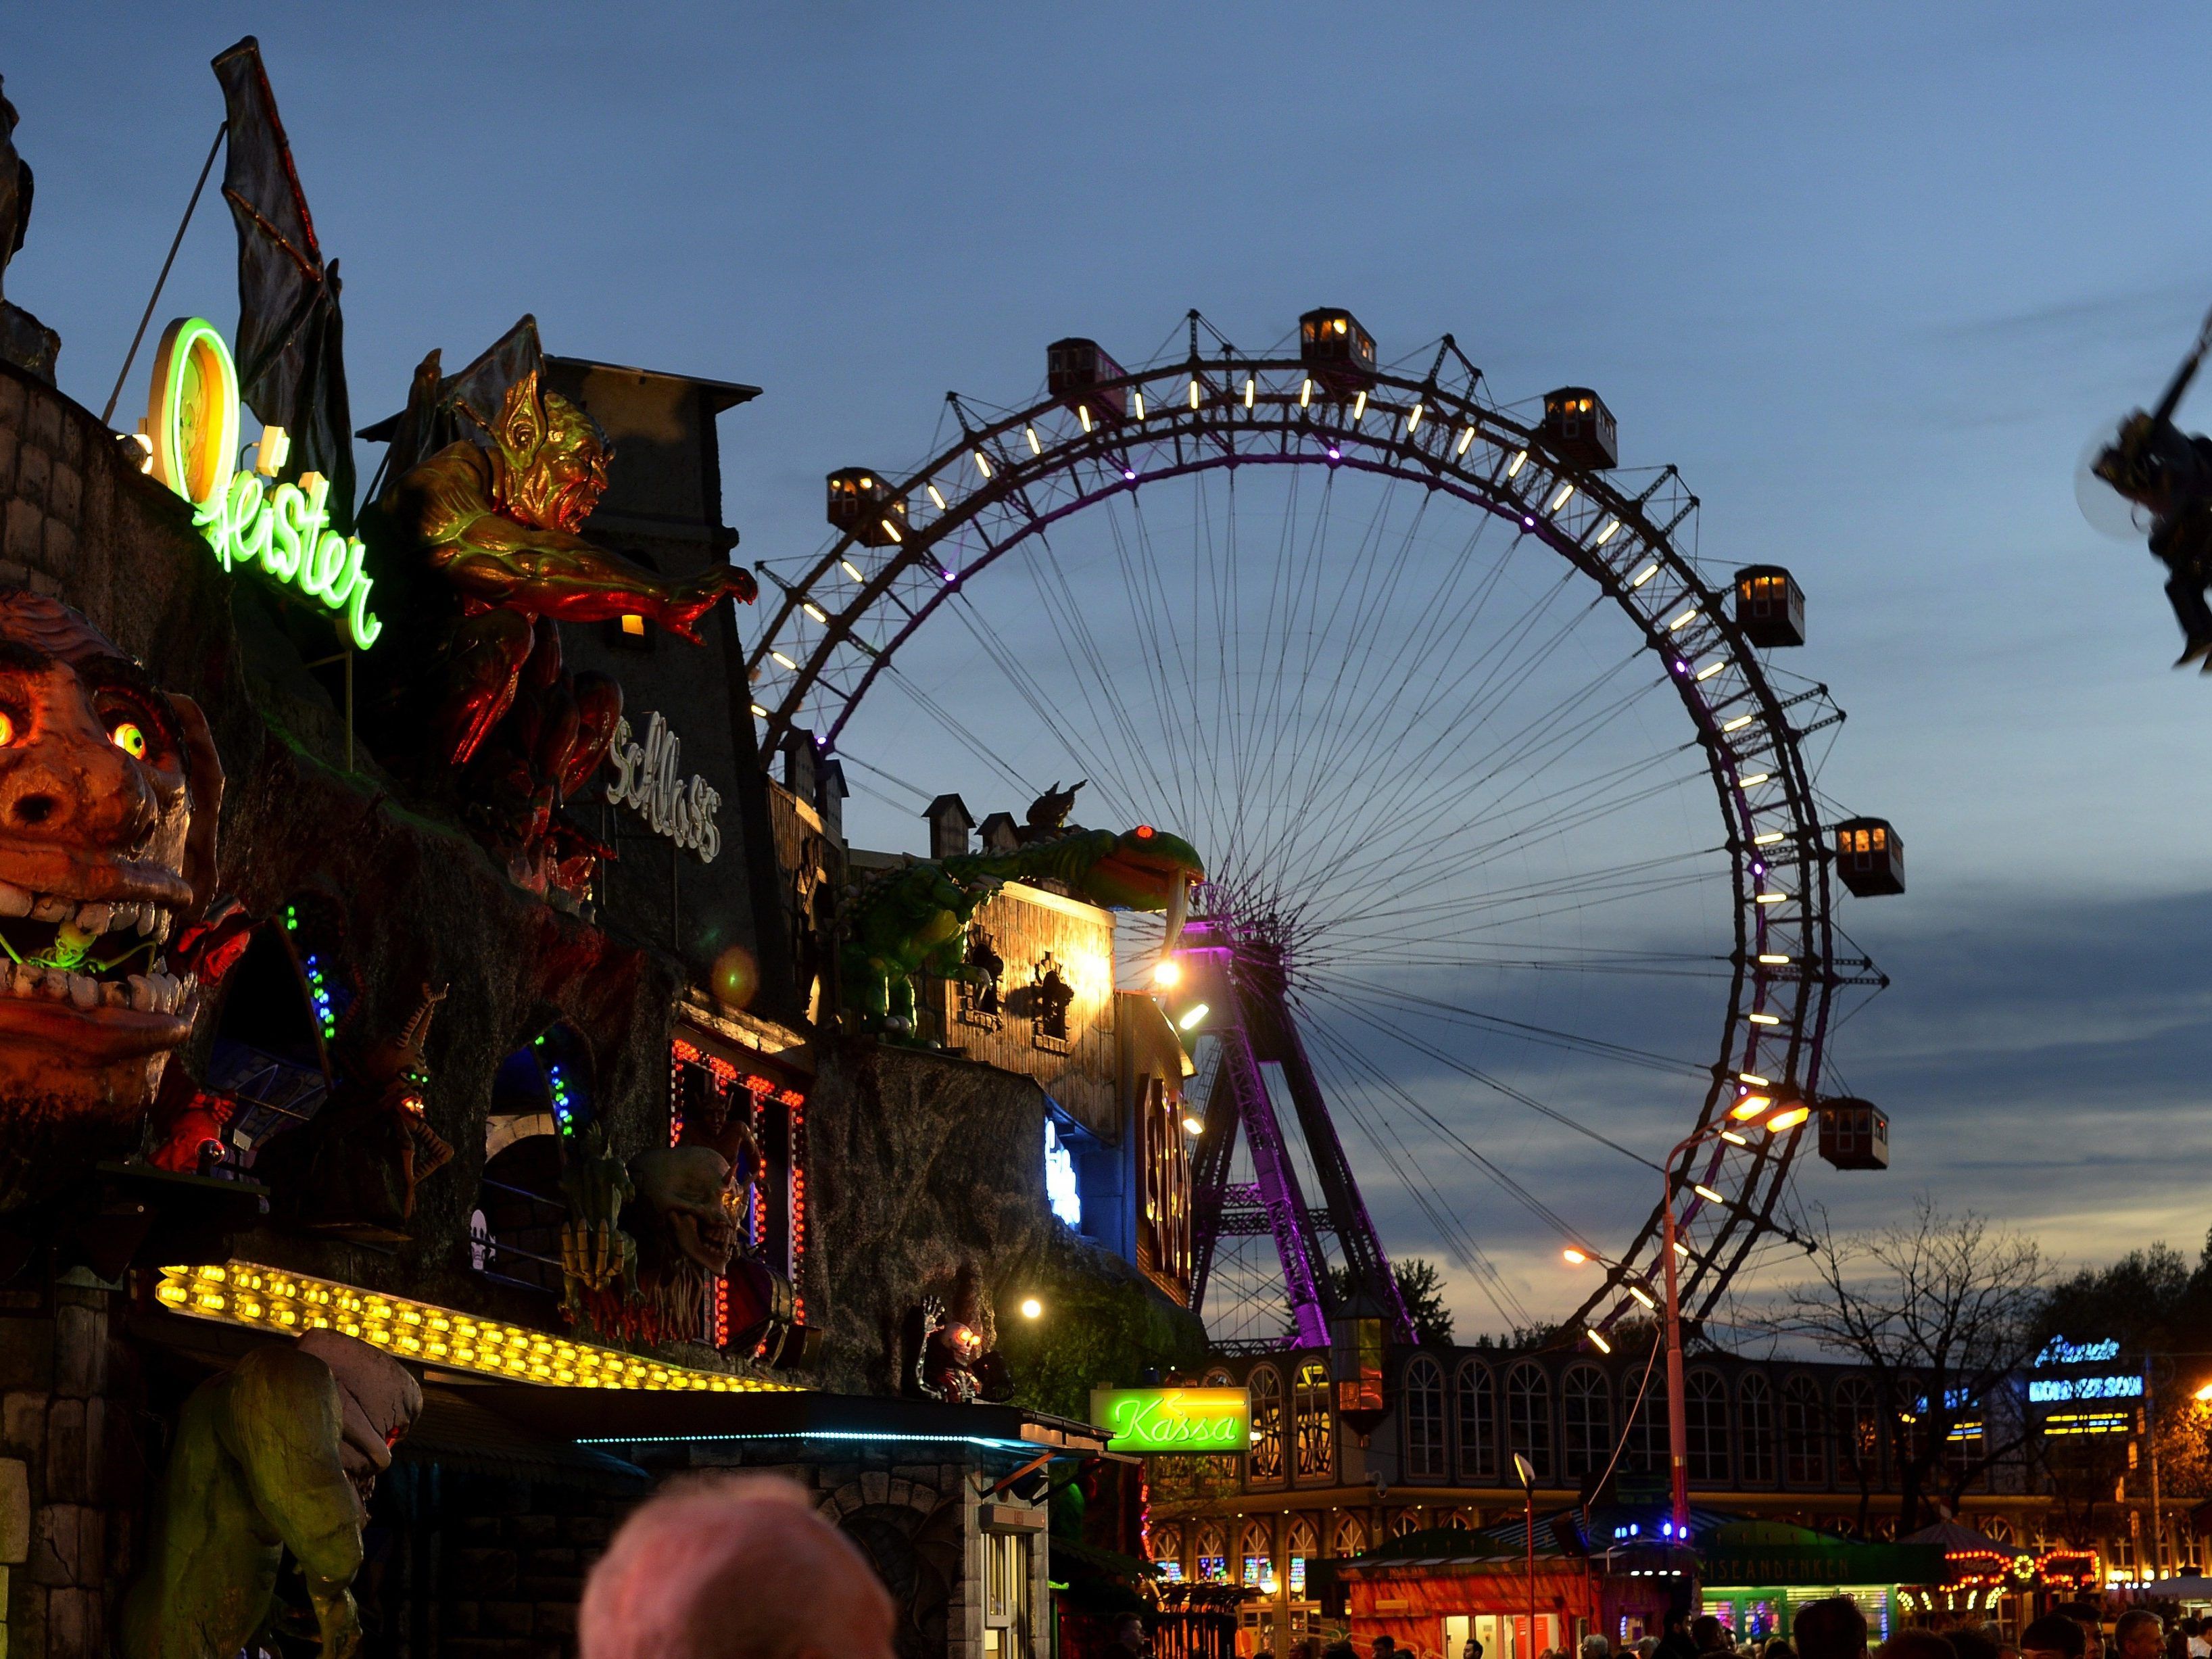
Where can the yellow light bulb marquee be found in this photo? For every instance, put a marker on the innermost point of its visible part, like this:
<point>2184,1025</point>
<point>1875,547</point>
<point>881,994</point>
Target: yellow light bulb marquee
<point>270,1299</point>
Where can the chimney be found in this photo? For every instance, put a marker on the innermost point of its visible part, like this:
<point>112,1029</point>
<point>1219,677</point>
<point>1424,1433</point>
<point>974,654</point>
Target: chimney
<point>798,756</point>
<point>949,825</point>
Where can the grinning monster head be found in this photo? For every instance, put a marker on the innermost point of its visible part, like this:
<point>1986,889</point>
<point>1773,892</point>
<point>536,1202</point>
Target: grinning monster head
<point>109,789</point>
<point>1147,870</point>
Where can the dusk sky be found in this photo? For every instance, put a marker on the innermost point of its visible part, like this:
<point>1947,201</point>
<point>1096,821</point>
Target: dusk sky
<point>1871,277</point>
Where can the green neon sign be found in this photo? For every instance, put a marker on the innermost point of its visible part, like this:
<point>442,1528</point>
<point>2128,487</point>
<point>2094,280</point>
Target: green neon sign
<point>191,437</point>
<point>1214,1421</point>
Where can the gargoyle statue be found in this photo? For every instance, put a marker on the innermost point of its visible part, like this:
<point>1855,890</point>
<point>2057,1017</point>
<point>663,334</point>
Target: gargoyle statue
<point>501,525</point>
<point>109,793</point>
<point>354,1169</point>
<point>24,340</point>
<point>1047,814</point>
<point>913,920</point>
<point>277,1455</point>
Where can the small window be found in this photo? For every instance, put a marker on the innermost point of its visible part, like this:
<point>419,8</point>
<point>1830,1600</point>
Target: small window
<point>979,987</point>
<point>1804,1433</point>
<point>1705,1401</point>
<point>1755,1415</point>
<point>1586,1417</point>
<point>1528,1417</point>
<point>1264,1389</point>
<point>1424,1412</point>
<point>1315,1441</point>
<point>1051,998</point>
<point>1476,1400</point>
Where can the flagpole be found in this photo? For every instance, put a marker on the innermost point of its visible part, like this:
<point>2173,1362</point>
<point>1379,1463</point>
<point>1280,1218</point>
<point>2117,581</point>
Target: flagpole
<point>107,414</point>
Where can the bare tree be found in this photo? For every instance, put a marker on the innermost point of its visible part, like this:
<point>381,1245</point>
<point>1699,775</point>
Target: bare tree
<point>1942,1312</point>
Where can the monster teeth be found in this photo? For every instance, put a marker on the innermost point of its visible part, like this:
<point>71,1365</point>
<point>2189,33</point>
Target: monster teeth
<point>14,901</point>
<point>84,991</point>
<point>113,994</point>
<point>51,908</point>
<point>92,919</point>
<point>53,982</point>
<point>142,993</point>
<point>125,919</point>
<point>22,979</point>
<point>147,916</point>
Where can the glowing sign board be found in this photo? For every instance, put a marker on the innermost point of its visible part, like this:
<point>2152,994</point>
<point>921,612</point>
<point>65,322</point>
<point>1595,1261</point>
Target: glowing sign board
<point>191,439</point>
<point>2044,1390</point>
<point>1209,1420</point>
<point>2060,1352</point>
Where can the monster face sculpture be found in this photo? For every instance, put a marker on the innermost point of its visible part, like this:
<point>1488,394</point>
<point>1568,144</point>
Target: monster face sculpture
<point>109,789</point>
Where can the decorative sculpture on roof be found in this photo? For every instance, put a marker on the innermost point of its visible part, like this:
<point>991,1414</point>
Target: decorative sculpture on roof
<point>913,920</point>
<point>354,1169</point>
<point>2166,473</point>
<point>276,1457</point>
<point>24,340</point>
<point>495,476</point>
<point>109,793</point>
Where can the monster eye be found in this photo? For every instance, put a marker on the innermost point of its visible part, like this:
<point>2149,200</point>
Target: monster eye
<point>7,728</point>
<point>131,738</point>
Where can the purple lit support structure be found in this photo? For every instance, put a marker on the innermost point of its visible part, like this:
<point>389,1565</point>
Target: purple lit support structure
<point>1244,980</point>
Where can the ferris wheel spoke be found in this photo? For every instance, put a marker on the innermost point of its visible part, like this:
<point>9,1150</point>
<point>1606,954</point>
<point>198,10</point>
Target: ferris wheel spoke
<point>1581,879</point>
<point>1376,992</point>
<point>1520,1097</point>
<point>1409,840</point>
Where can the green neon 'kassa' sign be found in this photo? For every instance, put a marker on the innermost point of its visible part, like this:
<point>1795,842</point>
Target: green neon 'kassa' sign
<point>1211,1421</point>
<point>192,438</point>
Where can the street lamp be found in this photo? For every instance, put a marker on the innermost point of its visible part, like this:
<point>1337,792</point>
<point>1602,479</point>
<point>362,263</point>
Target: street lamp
<point>1776,1116</point>
<point>1527,1471</point>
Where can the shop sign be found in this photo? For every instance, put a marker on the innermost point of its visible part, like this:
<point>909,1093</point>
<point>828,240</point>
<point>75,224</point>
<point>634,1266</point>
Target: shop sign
<point>1837,1564</point>
<point>2046,1390</point>
<point>1208,1420</point>
<point>648,780</point>
<point>2060,1352</point>
<point>191,439</point>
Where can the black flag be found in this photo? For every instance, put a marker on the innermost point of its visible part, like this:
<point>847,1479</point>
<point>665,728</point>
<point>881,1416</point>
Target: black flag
<point>291,341</point>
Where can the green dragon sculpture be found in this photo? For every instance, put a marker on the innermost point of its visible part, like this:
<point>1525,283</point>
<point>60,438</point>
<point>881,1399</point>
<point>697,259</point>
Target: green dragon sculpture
<point>914,921</point>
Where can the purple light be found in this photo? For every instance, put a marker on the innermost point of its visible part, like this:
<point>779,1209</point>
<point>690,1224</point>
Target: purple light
<point>1681,667</point>
<point>950,575</point>
<point>1528,521</point>
<point>1758,869</point>
<point>1129,476</point>
<point>1335,454</point>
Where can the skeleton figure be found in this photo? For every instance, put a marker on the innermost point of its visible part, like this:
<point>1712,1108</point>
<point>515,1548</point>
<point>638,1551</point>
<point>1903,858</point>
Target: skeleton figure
<point>279,1454</point>
<point>2167,473</point>
<point>597,1256</point>
<point>948,1358</point>
<point>683,1219</point>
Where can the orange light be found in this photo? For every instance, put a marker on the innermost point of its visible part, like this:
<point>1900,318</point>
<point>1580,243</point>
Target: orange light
<point>1575,1258</point>
<point>1750,1107</point>
<point>633,626</point>
<point>1146,832</point>
<point>1789,1117</point>
<point>2205,1393</point>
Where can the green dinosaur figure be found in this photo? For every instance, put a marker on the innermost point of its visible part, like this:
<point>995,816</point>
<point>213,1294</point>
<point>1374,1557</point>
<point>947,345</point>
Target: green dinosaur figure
<point>912,922</point>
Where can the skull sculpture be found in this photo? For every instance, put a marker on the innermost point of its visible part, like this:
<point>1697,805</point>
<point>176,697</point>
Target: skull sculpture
<point>683,1219</point>
<point>109,789</point>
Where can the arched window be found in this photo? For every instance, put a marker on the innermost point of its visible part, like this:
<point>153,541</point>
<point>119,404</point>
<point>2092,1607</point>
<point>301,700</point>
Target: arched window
<point>1585,1421</point>
<point>1315,1440</point>
<point>1424,1414</point>
<point>1303,1547</point>
<point>1477,1410</point>
<point>1646,1452</point>
<point>1166,1546</point>
<point>1213,1555</point>
<point>1858,1433</point>
<point>1705,1402</point>
<point>1265,1389</point>
<point>1257,1554</point>
<point>1528,1417</point>
<point>1998,1528</point>
<point>1403,1522</point>
<point>1755,1415</point>
<point>1351,1536</point>
<point>1804,1433</point>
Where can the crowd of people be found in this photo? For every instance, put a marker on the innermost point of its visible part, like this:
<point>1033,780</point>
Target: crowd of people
<point>744,1568</point>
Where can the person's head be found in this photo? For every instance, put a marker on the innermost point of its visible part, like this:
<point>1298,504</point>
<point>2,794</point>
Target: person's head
<point>1705,1630</point>
<point>1594,1646</point>
<point>1129,1632</point>
<point>1779,1648</point>
<point>2054,1636</point>
<point>1473,1650</point>
<point>2140,1634</point>
<point>1646,1647</point>
<point>689,1576</point>
<point>1973,1642</point>
<point>1832,1628</point>
<point>1386,1644</point>
<point>1918,1642</point>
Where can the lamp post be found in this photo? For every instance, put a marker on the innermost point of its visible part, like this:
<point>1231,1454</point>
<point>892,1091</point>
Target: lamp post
<point>1527,1471</point>
<point>1779,1117</point>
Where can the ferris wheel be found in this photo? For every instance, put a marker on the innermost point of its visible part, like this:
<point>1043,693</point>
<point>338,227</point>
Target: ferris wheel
<point>1446,699</point>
